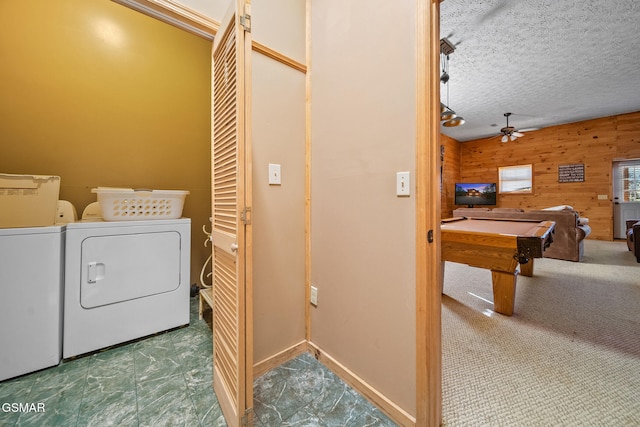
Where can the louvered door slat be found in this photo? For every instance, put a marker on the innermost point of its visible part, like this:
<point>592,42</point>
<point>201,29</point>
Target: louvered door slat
<point>232,361</point>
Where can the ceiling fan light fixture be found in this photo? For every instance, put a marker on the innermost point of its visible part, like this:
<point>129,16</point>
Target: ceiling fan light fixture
<point>509,132</point>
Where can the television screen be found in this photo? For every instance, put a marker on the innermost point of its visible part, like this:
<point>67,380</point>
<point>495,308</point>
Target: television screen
<point>476,193</point>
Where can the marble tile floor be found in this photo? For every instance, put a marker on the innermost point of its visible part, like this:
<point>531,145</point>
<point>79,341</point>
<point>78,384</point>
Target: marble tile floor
<point>165,380</point>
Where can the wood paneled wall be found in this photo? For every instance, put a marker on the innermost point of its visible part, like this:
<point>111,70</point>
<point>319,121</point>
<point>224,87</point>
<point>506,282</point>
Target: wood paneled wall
<point>595,143</point>
<point>450,173</point>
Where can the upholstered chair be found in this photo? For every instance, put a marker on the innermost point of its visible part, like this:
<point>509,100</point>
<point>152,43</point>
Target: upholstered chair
<point>633,237</point>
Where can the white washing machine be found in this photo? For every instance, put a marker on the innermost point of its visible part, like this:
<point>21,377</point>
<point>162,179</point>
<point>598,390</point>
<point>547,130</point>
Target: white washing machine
<point>124,280</point>
<point>31,280</point>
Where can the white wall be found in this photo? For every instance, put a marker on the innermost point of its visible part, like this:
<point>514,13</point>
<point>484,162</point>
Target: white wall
<point>363,123</point>
<point>212,8</point>
<point>278,210</point>
<point>280,25</point>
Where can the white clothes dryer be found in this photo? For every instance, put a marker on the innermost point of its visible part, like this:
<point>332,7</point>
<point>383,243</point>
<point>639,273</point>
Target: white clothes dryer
<point>31,280</point>
<point>124,280</point>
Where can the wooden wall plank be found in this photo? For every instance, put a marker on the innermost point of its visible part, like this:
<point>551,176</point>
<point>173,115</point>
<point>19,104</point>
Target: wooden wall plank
<point>595,143</point>
<point>450,173</point>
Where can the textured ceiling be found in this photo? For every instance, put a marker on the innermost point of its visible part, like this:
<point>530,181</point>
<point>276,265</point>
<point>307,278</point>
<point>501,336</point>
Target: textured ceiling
<point>547,62</point>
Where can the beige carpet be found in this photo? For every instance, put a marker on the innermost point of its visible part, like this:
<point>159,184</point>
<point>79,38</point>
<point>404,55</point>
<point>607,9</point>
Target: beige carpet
<point>569,356</point>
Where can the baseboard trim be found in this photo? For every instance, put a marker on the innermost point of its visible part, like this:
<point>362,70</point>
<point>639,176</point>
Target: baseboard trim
<point>279,358</point>
<point>392,410</point>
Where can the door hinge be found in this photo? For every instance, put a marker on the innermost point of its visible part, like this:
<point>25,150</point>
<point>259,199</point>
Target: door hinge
<point>245,21</point>
<point>247,418</point>
<point>245,215</point>
<point>430,236</point>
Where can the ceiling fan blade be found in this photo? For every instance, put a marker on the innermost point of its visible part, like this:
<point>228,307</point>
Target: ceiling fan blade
<point>450,36</point>
<point>505,138</point>
<point>493,12</point>
<point>529,129</point>
<point>518,134</point>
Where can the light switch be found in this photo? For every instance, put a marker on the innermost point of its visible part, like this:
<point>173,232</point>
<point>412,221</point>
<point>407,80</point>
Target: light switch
<point>274,174</point>
<point>403,184</point>
<point>603,197</point>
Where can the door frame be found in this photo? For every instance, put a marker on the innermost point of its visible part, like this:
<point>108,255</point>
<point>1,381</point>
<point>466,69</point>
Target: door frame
<point>428,208</point>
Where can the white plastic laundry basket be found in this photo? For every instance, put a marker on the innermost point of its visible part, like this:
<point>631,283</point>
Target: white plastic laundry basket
<point>28,200</point>
<point>127,204</point>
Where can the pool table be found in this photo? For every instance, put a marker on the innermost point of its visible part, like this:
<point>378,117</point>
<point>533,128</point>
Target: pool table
<point>498,245</point>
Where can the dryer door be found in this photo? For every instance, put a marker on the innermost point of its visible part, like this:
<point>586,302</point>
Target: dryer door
<point>128,266</point>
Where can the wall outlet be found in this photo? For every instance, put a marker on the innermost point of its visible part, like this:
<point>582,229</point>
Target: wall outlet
<point>314,296</point>
<point>603,197</point>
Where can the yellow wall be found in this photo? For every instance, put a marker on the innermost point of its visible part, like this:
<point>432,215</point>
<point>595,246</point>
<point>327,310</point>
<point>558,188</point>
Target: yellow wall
<point>104,96</point>
<point>363,128</point>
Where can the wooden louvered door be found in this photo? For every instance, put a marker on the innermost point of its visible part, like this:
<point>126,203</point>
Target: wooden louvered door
<point>231,221</point>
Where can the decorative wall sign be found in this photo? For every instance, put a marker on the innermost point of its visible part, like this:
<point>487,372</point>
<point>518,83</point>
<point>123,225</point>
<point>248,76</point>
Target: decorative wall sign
<point>571,173</point>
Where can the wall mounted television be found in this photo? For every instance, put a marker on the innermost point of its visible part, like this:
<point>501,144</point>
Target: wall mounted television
<point>475,193</point>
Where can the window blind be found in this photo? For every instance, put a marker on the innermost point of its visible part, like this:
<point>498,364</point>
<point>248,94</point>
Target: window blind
<point>515,179</point>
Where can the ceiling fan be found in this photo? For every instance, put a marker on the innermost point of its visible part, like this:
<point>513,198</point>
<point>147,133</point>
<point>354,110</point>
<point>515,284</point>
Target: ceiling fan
<point>509,132</point>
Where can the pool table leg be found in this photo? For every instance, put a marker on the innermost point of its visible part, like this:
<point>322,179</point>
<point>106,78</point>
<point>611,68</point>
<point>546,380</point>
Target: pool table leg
<point>526,269</point>
<point>504,291</point>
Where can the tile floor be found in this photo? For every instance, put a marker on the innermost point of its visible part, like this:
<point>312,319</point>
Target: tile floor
<point>165,380</point>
